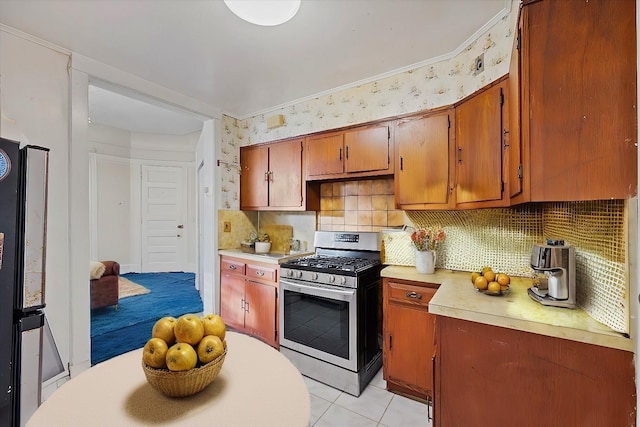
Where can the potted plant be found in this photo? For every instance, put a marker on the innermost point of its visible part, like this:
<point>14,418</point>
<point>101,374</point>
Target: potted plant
<point>263,243</point>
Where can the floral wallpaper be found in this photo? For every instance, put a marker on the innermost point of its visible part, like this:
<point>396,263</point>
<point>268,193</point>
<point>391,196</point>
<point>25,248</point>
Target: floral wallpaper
<point>427,87</point>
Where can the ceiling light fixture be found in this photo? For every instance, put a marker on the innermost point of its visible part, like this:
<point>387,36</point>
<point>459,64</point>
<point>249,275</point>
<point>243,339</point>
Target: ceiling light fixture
<point>264,12</point>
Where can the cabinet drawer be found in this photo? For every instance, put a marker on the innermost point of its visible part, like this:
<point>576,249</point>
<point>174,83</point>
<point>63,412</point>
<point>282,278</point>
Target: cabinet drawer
<point>405,293</point>
<point>231,266</point>
<point>260,272</point>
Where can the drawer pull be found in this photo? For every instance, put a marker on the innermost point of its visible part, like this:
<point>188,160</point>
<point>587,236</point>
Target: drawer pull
<point>232,267</point>
<point>414,295</point>
<point>260,273</point>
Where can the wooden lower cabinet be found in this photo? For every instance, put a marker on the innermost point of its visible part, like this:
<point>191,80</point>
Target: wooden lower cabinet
<point>408,332</point>
<point>493,376</point>
<point>249,298</point>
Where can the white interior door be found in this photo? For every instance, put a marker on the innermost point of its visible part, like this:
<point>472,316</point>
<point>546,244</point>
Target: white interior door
<point>163,218</point>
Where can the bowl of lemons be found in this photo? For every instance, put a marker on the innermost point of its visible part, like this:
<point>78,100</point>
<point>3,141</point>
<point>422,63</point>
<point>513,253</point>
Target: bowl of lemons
<point>490,283</point>
<point>184,355</point>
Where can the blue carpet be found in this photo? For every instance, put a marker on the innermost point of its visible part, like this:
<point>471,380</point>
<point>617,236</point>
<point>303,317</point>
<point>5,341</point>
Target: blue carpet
<point>114,332</point>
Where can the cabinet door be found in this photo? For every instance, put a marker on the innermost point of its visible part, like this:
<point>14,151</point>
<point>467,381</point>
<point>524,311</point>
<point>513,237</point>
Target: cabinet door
<point>232,300</point>
<point>423,169</point>
<point>409,337</point>
<point>479,139</point>
<point>534,379</point>
<point>513,138</point>
<point>254,184</point>
<point>583,123</point>
<point>367,149</point>
<point>260,318</point>
<point>325,155</point>
<point>285,174</point>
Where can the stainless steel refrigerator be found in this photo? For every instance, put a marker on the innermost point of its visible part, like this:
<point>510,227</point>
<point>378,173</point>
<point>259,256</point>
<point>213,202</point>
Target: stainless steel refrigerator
<point>23,230</point>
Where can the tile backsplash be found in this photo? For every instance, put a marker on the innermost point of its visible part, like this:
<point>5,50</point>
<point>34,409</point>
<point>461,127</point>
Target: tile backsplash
<point>365,205</point>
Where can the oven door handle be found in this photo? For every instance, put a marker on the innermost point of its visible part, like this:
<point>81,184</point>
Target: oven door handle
<point>345,294</point>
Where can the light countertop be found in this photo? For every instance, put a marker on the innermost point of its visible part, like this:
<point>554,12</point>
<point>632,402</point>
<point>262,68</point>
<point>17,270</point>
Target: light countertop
<point>456,297</point>
<point>270,258</point>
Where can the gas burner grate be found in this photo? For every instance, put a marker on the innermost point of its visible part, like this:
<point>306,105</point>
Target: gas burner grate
<point>333,263</point>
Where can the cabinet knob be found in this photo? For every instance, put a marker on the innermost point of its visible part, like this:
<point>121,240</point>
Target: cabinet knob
<point>232,267</point>
<point>260,273</point>
<point>414,295</point>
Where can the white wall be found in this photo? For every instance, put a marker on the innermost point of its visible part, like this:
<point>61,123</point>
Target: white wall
<point>34,88</point>
<point>113,209</point>
<point>207,217</point>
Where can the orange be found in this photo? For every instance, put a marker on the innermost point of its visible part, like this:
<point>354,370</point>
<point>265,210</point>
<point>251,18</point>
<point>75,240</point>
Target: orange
<point>504,287</point>
<point>489,275</point>
<point>493,287</point>
<point>503,279</point>
<point>481,283</point>
<point>485,269</point>
<point>474,276</point>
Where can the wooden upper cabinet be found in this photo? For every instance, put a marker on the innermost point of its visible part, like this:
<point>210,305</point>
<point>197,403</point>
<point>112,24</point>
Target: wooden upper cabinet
<point>424,161</point>
<point>480,127</point>
<point>254,184</point>
<point>367,149</point>
<point>285,174</point>
<point>362,151</point>
<point>324,155</point>
<point>578,100</point>
<point>271,176</point>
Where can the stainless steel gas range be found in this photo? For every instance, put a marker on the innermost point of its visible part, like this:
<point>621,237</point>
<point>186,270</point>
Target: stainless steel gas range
<point>330,310</point>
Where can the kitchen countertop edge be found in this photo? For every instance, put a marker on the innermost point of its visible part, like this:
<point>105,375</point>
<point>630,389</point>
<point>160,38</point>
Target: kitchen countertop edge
<point>457,298</point>
<point>270,258</point>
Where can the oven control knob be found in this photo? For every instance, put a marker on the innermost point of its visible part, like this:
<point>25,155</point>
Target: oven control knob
<point>343,280</point>
<point>298,274</point>
<point>314,276</point>
<point>332,278</point>
<point>289,272</point>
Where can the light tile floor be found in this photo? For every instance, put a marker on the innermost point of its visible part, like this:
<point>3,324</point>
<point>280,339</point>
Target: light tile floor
<point>375,407</point>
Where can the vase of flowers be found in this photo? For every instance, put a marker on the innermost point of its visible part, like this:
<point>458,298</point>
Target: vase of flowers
<point>426,242</point>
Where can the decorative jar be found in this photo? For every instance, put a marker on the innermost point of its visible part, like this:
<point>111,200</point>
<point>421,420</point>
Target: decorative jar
<point>426,261</point>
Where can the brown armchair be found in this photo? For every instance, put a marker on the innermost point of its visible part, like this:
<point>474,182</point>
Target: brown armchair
<point>104,291</point>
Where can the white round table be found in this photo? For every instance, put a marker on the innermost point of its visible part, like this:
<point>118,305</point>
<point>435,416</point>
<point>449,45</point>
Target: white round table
<point>257,386</point>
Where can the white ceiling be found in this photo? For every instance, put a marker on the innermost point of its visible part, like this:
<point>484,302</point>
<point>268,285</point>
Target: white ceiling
<point>200,49</point>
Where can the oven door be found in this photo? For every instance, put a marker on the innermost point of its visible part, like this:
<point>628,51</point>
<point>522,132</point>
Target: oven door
<point>319,321</point>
